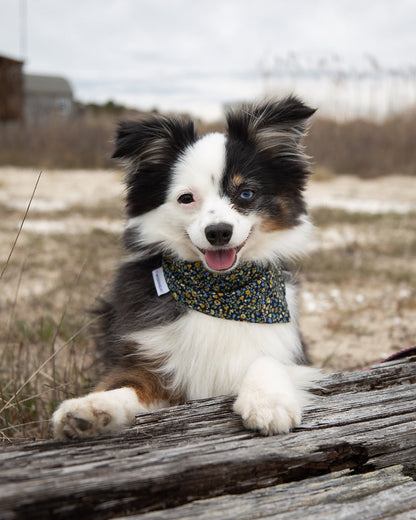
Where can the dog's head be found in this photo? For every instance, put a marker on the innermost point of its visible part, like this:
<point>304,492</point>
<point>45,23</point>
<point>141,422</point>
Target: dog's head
<point>222,198</point>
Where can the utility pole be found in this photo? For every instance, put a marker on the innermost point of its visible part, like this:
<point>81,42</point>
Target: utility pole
<point>23,29</point>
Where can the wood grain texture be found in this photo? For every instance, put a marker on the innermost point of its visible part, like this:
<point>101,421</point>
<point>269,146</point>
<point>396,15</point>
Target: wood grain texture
<point>172,459</point>
<point>368,496</point>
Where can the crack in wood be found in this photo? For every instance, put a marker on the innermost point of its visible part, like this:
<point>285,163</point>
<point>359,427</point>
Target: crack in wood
<point>199,451</point>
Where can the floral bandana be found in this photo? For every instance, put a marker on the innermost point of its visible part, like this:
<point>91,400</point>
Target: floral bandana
<point>250,292</point>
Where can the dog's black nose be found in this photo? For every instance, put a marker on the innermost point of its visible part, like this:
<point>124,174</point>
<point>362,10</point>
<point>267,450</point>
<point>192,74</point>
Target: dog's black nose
<point>219,234</point>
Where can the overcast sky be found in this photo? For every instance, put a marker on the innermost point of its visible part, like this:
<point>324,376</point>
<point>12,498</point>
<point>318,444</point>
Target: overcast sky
<point>197,54</point>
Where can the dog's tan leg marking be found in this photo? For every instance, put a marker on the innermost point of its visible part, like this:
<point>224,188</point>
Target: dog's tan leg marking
<point>98,413</point>
<point>119,398</point>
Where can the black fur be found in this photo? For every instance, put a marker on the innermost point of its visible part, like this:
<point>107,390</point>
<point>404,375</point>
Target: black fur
<point>151,146</point>
<point>264,146</point>
<point>289,114</point>
<point>134,305</point>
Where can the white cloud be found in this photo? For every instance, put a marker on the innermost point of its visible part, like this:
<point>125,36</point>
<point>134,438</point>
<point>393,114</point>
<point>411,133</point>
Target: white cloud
<point>153,52</point>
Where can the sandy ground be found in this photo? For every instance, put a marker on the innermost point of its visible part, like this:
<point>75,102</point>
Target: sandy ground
<point>385,194</point>
<point>347,325</point>
<point>62,190</point>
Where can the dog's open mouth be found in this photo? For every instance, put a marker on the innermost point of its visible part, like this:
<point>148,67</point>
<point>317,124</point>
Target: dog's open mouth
<point>221,259</point>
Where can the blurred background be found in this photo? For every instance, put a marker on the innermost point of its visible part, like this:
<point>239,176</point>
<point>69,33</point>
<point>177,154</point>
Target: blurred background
<point>70,70</point>
<point>79,66</point>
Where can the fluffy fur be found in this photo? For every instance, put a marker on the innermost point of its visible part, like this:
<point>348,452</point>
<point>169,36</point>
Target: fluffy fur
<point>221,199</point>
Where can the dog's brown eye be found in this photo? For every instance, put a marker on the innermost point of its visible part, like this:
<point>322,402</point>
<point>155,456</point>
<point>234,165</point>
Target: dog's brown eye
<point>186,198</point>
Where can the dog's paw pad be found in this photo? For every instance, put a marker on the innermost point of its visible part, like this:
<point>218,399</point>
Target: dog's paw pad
<point>80,419</point>
<point>99,413</point>
<point>268,414</point>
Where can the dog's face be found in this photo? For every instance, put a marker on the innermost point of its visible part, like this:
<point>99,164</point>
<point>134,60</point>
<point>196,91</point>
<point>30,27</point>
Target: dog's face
<point>223,198</point>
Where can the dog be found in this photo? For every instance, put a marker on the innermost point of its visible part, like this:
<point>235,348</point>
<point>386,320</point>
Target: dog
<point>203,305</point>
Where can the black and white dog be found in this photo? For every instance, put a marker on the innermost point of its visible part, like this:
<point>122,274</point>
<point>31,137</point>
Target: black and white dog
<point>203,307</point>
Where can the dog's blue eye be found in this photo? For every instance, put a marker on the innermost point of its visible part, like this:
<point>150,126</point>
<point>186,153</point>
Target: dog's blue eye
<point>186,198</point>
<point>247,194</point>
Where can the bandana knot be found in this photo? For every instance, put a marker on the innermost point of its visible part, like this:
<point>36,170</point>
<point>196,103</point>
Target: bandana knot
<point>250,292</point>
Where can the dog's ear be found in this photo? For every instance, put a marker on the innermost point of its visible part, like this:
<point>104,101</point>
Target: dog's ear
<point>149,148</point>
<point>271,125</point>
<point>153,139</point>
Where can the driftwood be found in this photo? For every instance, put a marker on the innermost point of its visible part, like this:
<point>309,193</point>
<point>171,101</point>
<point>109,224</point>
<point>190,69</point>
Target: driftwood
<point>353,457</point>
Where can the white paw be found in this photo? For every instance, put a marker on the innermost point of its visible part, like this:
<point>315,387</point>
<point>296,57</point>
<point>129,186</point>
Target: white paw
<point>268,413</point>
<point>99,413</point>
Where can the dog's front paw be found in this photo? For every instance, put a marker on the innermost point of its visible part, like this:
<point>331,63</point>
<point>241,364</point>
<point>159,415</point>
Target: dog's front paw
<point>268,413</point>
<point>99,413</point>
<point>80,419</point>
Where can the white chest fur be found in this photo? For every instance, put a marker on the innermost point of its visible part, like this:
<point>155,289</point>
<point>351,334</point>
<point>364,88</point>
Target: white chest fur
<point>208,356</point>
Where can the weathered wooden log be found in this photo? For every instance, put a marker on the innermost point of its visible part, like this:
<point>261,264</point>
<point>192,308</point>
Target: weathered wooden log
<point>360,422</point>
<point>340,495</point>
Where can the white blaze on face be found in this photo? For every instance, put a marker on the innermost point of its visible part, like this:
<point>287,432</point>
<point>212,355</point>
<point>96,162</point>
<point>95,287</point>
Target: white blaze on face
<point>200,168</point>
<point>199,173</point>
<point>180,228</point>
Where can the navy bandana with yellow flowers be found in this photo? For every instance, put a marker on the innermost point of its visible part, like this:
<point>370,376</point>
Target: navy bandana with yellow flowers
<point>250,292</point>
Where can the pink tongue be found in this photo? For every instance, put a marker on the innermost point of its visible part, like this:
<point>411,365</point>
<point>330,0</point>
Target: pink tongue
<point>220,259</point>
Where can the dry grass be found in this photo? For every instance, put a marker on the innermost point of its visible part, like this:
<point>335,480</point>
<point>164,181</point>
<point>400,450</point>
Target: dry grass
<point>359,296</point>
<point>358,302</point>
<point>49,288</point>
<point>365,148</point>
<point>359,147</point>
<point>84,141</point>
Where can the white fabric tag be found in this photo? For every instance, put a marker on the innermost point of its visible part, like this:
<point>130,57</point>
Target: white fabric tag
<point>160,282</point>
